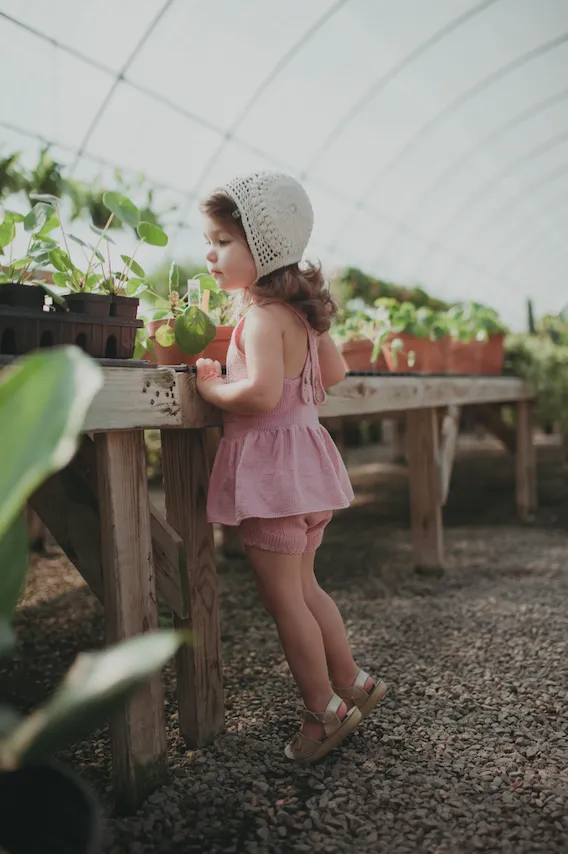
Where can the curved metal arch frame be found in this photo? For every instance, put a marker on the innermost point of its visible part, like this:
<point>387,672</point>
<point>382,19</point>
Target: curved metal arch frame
<point>543,181</point>
<point>486,82</point>
<point>387,78</point>
<point>118,78</point>
<point>525,115</point>
<point>452,220</point>
<point>272,75</point>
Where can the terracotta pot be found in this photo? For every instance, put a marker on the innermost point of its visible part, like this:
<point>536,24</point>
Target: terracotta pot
<point>493,355</point>
<point>217,350</point>
<point>430,357</point>
<point>465,357</point>
<point>357,354</point>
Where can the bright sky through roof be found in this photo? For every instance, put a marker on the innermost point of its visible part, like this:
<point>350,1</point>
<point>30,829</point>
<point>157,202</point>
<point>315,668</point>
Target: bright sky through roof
<point>431,136</point>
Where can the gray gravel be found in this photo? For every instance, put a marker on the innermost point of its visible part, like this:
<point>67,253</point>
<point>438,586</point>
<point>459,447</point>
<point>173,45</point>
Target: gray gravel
<point>469,752</point>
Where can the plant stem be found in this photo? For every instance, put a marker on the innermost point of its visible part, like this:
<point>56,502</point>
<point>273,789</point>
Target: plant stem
<point>77,285</point>
<point>96,249</point>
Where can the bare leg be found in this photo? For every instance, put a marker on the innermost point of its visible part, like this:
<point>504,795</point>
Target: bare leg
<point>279,582</point>
<point>342,667</point>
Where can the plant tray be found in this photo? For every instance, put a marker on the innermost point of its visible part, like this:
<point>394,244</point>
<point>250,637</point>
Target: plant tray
<point>22,330</point>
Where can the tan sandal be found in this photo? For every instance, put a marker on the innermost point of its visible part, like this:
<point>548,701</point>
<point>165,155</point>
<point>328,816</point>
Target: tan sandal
<point>307,750</point>
<point>365,701</point>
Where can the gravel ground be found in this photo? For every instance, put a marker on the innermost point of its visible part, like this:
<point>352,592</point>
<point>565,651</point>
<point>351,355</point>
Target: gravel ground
<point>469,752</point>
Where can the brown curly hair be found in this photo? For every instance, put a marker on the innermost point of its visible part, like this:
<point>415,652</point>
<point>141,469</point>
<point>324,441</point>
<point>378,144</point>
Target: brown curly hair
<point>303,287</point>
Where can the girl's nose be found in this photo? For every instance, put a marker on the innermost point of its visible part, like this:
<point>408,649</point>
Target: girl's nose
<point>211,254</point>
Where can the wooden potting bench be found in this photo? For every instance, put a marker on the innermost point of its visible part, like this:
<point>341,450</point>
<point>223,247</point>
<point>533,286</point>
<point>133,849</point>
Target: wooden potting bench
<point>98,510</point>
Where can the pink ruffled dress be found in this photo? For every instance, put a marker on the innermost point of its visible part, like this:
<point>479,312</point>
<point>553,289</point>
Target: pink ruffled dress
<point>279,463</point>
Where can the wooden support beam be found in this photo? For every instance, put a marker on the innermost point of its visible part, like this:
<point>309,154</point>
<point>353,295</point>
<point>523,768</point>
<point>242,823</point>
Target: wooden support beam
<point>489,416</point>
<point>36,530</point>
<point>448,443</point>
<point>425,504</point>
<point>525,463</point>
<point>70,510</point>
<point>138,732</point>
<point>68,504</point>
<point>185,469</point>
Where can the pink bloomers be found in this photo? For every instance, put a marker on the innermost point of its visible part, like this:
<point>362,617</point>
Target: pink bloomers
<point>292,535</point>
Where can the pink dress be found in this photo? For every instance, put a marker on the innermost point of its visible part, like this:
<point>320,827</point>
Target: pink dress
<point>279,463</point>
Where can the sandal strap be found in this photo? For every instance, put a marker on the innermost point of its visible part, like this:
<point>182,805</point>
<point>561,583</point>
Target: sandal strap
<point>355,691</point>
<point>329,718</point>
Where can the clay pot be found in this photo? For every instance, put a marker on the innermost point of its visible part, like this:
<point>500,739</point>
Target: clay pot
<point>465,357</point>
<point>493,355</point>
<point>357,354</point>
<point>216,350</point>
<point>430,357</point>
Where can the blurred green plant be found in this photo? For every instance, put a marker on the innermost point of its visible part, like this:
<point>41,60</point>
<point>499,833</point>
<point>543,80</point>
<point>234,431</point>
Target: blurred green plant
<point>43,401</point>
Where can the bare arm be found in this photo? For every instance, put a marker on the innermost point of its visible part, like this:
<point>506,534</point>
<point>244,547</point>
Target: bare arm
<point>331,363</point>
<point>262,390</point>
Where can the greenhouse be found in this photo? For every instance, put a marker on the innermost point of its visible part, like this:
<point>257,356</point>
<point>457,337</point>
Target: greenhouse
<point>284,282</point>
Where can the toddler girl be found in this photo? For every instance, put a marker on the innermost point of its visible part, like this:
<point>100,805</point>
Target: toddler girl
<point>277,473</point>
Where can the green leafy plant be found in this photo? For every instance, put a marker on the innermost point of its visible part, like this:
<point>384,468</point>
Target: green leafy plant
<point>188,326</point>
<point>544,365</point>
<point>96,273</point>
<point>43,401</point>
<point>354,328</point>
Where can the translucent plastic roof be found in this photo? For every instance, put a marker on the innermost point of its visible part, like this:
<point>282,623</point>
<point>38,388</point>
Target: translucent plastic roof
<point>432,135</point>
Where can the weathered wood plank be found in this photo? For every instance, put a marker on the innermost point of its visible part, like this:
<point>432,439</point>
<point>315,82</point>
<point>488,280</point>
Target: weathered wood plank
<point>366,395</point>
<point>185,470</point>
<point>167,546</point>
<point>148,398</point>
<point>525,463</point>
<point>425,505</point>
<point>448,442</point>
<point>69,508</point>
<point>165,398</point>
<point>138,732</point>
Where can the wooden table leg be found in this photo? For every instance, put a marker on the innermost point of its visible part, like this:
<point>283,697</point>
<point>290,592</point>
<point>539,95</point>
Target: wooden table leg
<point>185,470</point>
<point>425,497</point>
<point>138,733</point>
<point>525,463</point>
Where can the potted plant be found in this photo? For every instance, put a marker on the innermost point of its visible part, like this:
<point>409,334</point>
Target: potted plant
<point>94,290</point>
<point>466,343</point>
<point>353,337</point>
<point>58,388</point>
<point>477,344</point>
<point>412,339</point>
<point>179,334</point>
<point>493,333</point>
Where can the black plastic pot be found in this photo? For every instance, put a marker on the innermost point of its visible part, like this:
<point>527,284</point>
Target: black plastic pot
<point>48,809</point>
<point>122,306</point>
<point>22,296</point>
<point>96,305</point>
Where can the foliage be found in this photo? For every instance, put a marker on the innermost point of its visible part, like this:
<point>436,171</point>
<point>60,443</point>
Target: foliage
<point>544,364</point>
<point>46,177</point>
<point>188,326</point>
<point>43,400</point>
<point>353,328</point>
<point>96,274</point>
<point>352,283</point>
<point>473,321</point>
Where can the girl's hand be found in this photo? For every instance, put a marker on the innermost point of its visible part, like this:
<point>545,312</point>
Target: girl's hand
<point>209,378</point>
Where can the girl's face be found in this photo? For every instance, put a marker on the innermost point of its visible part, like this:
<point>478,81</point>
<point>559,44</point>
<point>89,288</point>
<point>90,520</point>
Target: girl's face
<point>229,259</point>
